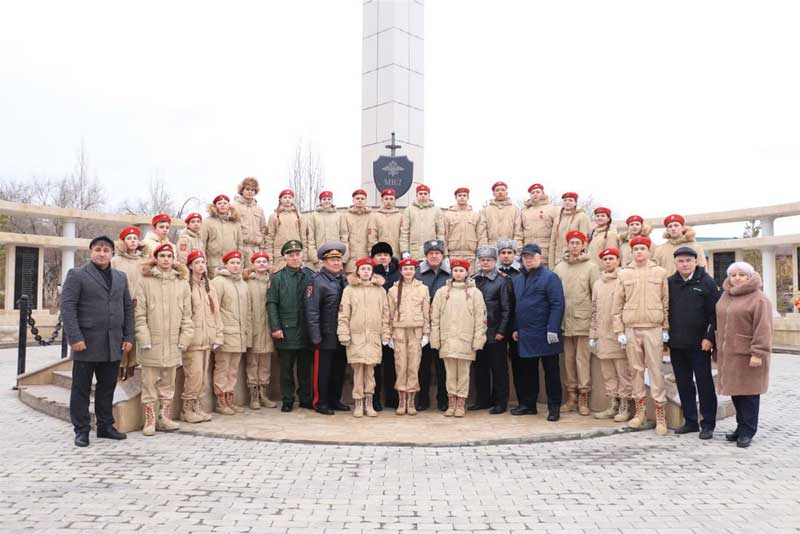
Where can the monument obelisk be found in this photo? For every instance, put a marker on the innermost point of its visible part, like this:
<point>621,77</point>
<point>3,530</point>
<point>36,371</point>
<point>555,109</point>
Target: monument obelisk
<point>392,87</point>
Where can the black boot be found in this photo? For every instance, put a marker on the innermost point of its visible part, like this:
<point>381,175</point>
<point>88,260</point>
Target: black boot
<point>339,406</point>
<point>109,432</point>
<point>376,403</point>
<point>732,436</point>
<point>743,441</point>
<point>554,412</point>
<point>82,439</point>
<point>687,428</point>
<point>522,410</point>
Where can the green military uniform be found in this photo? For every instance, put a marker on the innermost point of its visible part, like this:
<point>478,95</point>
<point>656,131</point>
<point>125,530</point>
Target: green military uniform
<point>285,299</point>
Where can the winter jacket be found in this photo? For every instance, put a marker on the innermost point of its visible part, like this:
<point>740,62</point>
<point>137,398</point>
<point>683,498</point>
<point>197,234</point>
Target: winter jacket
<point>322,300</point>
<point>413,309</point>
<point>642,300</point>
<point>663,253</point>
<point>536,225</point>
<point>600,240</point>
<point>219,235</point>
<point>538,309</point>
<point>130,264</point>
<point>463,230</point>
<point>208,329</point>
<point>324,225</point>
<point>285,307</point>
<point>284,224</point>
<point>384,225</point>
<point>744,329</point>
<point>163,315</point>
<point>433,279</point>
<point>458,320</point>
<point>564,222</point>
<point>578,276</point>
<point>234,307</point>
<point>692,309</point>
<point>187,242</point>
<point>257,285</point>
<point>421,222</point>
<point>498,299</point>
<point>500,221</point>
<point>608,348</point>
<point>355,222</point>
<point>389,274</point>
<point>253,221</point>
<point>512,271</point>
<point>150,242</point>
<point>625,244</point>
<point>361,326</point>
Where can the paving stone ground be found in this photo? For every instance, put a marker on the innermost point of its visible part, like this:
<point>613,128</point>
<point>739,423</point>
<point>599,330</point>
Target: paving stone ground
<point>626,483</point>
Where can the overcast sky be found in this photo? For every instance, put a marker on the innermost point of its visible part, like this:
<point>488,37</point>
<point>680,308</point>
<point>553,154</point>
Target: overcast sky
<point>651,107</point>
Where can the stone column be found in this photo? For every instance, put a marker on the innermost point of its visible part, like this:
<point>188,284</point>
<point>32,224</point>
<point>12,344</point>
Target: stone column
<point>795,276</point>
<point>11,270</point>
<point>768,273</point>
<point>67,253</point>
<point>392,87</point>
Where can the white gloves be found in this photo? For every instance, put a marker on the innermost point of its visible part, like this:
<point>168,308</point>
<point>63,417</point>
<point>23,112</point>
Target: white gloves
<point>388,343</point>
<point>593,345</point>
<point>665,336</point>
<point>424,341</point>
<point>215,346</point>
<point>552,338</point>
<point>622,340</point>
<point>385,342</point>
<point>147,347</point>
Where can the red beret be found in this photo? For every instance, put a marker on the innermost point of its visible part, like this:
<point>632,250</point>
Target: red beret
<point>609,252</point>
<point>193,255</point>
<point>359,192</point>
<point>217,198</point>
<point>634,218</point>
<point>130,230</point>
<point>641,240</point>
<point>571,195</point>
<point>498,184</point>
<point>230,255</point>
<point>286,192</point>
<point>192,216</point>
<point>602,210</point>
<point>161,217</point>
<point>388,193</point>
<point>258,254</point>
<point>674,218</point>
<point>408,261</point>
<point>535,186</point>
<point>423,187</point>
<point>325,194</point>
<point>163,246</point>
<point>365,261</point>
<point>462,190</point>
<point>575,234</point>
<point>459,263</point>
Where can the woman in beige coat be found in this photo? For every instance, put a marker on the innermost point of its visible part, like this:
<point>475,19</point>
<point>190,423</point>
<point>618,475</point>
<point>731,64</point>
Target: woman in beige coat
<point>220,232</point>
<point>128,259</point>
<point>636,228</point>
<point>361,329</point>
<point>356,223</point>
<point>285,224</point>
<point>164,328</point>
<point>207,337</point>
<point>744,346</point>
<point>259,353</point>
<point>253,220</point>
<point>237,328</point>
<point>570,217</point>
<point>409,322</point>
<point>458,331</point>
<point>536,221</point>
<point>602,236</point>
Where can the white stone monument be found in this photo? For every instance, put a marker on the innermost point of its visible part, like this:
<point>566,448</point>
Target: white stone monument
<point>392,87</point>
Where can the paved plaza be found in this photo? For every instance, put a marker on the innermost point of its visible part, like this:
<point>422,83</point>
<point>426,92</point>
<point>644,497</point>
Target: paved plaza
<point>632,482</point>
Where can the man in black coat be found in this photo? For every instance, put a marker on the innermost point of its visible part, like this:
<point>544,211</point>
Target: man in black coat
<point>322,313</point>
<point>385,376</point>
<point>491,364</point>
<point>98,322</point>
<point>508,265</point>
<point>693,296</point>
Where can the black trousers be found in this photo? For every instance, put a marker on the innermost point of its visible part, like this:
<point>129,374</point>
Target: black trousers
<point>690,366</point>
<point>516,370</point>
<point>529,370</point>
<point>491,375</point>
<point>430,357</point>
<point>106,373</point>
<point>747,407</point>
<point>385,378</point>
<point>329,370</point>
<point>303,359</point>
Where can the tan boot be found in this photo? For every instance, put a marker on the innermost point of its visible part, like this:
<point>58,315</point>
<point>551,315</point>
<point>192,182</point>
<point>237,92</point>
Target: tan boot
<point>624,413</point>
<point>149,420</point>
<point>401,405</point>
<point>572,402</point>
<point>188,414</point>
<point>255,404</point>
<point>583,403</point>
<point>222,405</point>
<point>611,411</point>
<point>369,410</point>
<point>196,408</point>
<point>638,419</point>
<point>459,411</point>
<point>411,408</point>
<point>661,419</point>
<point>451,406</point>
<point>164,422</point>
<point>263,397</point>
<point>232,403</point>
<point>358,411</point>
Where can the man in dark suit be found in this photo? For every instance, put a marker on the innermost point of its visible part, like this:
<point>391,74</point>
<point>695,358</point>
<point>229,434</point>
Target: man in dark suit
<point>98,322</point>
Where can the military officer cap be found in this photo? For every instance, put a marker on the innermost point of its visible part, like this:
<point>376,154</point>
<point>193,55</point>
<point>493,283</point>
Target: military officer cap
<point>506,243</point>
<point>332,249</point>
<point>487,252</point>
<point>433,244</point>
<point>293,245</point>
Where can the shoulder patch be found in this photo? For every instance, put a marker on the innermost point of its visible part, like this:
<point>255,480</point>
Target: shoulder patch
<point>309,291</point>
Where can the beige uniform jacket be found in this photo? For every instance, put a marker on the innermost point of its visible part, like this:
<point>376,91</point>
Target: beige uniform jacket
<point>578,276</point>
<point>205,317</point>
<point>536,225</point>
<point>412,309</point>
<point>237,315</point>
<point>602,317</point>
<point>187,242</point>
<point>642,299</point>
<point>219,235</point>
<point>356,221</point>
<point>663,254</point>
<point>463,230</point>
<point>284,225</point>
<point>564,222</point>
<point>361,324</point>
<point>501,221</point>
<point>625,244</point>
<point>600,240</point>
<point>324,225</point>
<point>384,225</point>
<point>458,320</point>
<point>254,222</point>
<point>421,222</point>
<point>257,285</point>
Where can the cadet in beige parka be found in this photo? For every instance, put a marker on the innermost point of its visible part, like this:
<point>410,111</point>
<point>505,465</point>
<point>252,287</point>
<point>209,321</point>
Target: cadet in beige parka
<point>536,221</point>
<point>189,238</point>
<point>220,232</point>
<point>500,217</point>
<point>356,222</point>
<point>570,217</point>
<point>259,353</point>
<point>464,228</point>
<point>159,235</point>
<point>385,222</point>
<point>285,224</point>
<point>677,235</point>
<point>128,259</point>
<point>636,228</point>
<point>602,236</point>
<point>324,224</point>
<point>422,221</point>
<point>253,220</point>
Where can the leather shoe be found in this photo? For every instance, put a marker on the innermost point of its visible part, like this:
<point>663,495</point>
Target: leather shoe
<point>732,436</point>
<point>521,410</point>
<point>82,439</point>
<point>706,433</point>
<point>553,416</point>
<point>307,405</point>
<point>743,441</point>
<point>494,410</point>
<point>376,404</point>
<point>442,406</point>
<point>110,432</point>
<point>286,408</point>
<point>339,406</point>
<point>475,407</point>
<point>687,428</point>
<point>324,410</point>
<point>554,412</point>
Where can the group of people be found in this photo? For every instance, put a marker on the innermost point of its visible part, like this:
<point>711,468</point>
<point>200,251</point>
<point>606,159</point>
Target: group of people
<point>402,295</point>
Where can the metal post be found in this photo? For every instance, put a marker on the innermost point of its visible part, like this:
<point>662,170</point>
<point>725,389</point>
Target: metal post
<point>23,334</point>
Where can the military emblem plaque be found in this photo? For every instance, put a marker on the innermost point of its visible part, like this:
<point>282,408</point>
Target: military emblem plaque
<point>393,172</point>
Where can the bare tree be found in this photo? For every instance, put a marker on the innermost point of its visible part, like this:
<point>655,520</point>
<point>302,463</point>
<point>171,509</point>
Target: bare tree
<point>158,199</point>
<point>306,176</point>
<point>752,229</point>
